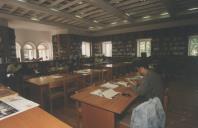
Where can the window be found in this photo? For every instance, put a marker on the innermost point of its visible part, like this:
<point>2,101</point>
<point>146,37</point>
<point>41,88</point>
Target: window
<point>29,51</point>
<point>43,51</point>
<point>107,48</point>
<point>144,46</point>
<point>86,47</point>
<point>18,51</point>
<point>193,46</point>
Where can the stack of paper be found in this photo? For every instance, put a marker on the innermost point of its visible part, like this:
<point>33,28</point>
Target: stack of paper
<point>109,85</point>
<point>108,93</point>
<point>13,105</point>
<point>122,83</point>
<point>56,76</point>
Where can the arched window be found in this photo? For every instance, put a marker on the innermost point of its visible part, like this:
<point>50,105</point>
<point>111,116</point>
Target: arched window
<point>43,50</point>
<point>29,51</point>
<point>18,51</point>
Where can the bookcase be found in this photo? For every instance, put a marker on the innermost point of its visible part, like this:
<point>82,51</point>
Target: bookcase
<point>170,46</point>
<point>126,48</point>
<point>7,45</point>
<point>97,48</point>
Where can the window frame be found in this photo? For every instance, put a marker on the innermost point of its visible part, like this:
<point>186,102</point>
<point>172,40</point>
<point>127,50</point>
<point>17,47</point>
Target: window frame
<point>84,51</point>
<point>33,50</point>
<point>105,49</point>
<point>145,40</point>
<point>189,44</point>
<point>46,51</point>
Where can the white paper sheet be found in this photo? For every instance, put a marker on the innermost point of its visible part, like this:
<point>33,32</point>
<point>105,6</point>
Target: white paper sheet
<point>108,93</point>
<point>13,105</point>
<point>109,85</point>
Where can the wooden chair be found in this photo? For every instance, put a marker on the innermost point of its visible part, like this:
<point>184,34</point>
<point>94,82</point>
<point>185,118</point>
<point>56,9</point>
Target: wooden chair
<point>56,90</point>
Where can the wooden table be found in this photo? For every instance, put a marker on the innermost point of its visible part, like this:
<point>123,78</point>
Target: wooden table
<point>90,74</point>
<point>33,118</point>
<point>99,112</point>
<point>41,83</point>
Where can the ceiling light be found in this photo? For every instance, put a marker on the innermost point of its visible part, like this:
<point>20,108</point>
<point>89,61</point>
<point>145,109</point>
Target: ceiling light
<point>164,14</point>
<point>95,21</point>
<point>127,14</point>
<point>34,19</point>
<point>113,23</point>
<point>91,28</point>
<point>125,21</point>
<point>53,9</point>
<point>192,9</point>
<point>21,0</point>
<point>78,16</point>
<point>80,2</point>
<point>146,17</point>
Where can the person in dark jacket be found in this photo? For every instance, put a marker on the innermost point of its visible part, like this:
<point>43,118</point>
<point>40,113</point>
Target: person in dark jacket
<point>150,85</point>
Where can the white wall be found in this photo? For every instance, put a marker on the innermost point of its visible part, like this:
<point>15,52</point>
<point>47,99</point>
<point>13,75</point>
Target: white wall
<point>25,35</point>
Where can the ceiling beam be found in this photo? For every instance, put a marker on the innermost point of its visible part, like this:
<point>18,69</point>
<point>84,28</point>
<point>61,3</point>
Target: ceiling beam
<point>12,17</point>
<point>37,8</point>
<point>13,10</point>
<point>69,4</point>
<point>110,9</point>
<point>170,6</point>
<point>41,1</point>
<point>56,3</point>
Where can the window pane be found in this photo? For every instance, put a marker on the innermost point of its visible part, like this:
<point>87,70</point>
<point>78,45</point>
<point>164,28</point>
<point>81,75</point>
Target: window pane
<point>193,46</point>
<point>144,46</point>
<point>107,49</point>
<point>86,49</point>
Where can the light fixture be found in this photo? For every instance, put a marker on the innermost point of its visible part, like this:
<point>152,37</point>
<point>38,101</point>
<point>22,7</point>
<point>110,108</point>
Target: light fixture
<point>95,21</point>
<point>34,19</point>
<point>113,23</point>
<point>125,21</point>
<point>192,9</point>
<point>91,28</point>
<point>146,17</point>
<point>80,2</point>
<point>127,14</point>
<point>21,0</point>
<point>53,9</point>
<point>164,14</point>
<point>78,16</point>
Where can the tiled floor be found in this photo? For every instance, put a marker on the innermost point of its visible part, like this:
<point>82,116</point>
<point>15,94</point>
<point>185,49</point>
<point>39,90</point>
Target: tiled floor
<point>183,107</point>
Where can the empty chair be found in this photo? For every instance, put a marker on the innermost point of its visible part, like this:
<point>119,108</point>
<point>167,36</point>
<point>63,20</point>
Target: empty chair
<point>56,90</point>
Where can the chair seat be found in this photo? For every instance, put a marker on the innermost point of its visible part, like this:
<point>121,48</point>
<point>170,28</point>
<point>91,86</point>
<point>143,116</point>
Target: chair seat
<point>56,95</point>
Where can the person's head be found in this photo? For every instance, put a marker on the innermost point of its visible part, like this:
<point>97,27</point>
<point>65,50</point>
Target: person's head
<point>142,67</point>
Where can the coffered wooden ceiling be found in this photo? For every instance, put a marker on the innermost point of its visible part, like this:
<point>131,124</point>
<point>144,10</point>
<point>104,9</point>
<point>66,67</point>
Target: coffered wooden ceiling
<point>97,15</point>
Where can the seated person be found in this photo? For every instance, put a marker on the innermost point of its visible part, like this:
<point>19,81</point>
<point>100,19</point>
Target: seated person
<point>150,85</point>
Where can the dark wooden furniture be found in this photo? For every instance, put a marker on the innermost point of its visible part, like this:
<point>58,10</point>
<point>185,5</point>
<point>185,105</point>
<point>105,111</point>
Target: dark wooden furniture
<point>56,90</point>
<point>40,85</point>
